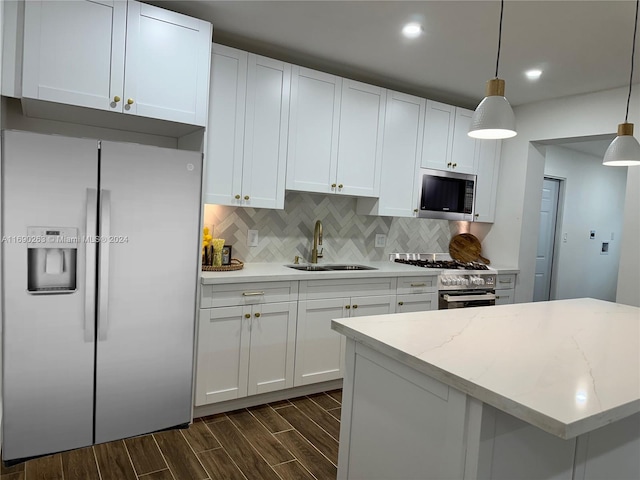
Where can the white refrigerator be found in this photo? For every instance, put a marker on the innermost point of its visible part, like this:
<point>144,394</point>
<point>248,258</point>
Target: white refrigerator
<point>100,246</point>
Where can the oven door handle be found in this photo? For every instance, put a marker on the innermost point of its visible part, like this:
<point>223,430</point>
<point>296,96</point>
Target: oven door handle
<point>468,298</point>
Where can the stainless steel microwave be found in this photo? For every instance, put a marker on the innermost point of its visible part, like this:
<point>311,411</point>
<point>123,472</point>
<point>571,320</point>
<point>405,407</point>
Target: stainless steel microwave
<point>446,195</point>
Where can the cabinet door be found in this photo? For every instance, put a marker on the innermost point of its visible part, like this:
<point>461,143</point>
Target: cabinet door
<point>74,52</point>
<point>421,302</point>
<point>359,159</point>
<point>313,130</point>
<point>464,150</point>
<point>273,335</point>
<point>505,296</point>
<point>266,131</point>
<point>438,135</point>
<point>319,350</point>
<point>223,354</point>
<point>487,180</point>
<point>167,65</point>
<point>225,132</point>
<point>376,305</point>
<point>403,130</point>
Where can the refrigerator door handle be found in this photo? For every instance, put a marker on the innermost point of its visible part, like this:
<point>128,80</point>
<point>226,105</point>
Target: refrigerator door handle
<point>90,266</point>
<point>103,280</point>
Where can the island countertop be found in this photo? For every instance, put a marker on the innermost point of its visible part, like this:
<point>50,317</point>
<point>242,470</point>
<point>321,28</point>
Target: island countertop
<point>567,367</point>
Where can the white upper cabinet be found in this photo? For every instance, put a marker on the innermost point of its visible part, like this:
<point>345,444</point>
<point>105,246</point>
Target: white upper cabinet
<point>446,143</point>
<point>487,180</point>
<point>245,152</point>
<point>360,142</point>
<point>335,134</point>
<point>313,130</point>
<point>118,56</point>
<point>403,131</point>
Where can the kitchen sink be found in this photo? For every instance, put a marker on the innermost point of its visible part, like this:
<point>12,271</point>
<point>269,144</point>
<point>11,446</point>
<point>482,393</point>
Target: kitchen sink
<point>308,268</point>
<point>327,268</point>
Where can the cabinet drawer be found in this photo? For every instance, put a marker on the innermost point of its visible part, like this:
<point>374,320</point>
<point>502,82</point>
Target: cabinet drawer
<point>506,281</point>
<point>411,285</point>
<point>248,294</point>
<point>314,289</point>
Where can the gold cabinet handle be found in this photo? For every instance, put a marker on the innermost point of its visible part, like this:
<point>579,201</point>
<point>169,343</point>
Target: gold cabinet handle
<point>497,297</point>
<point>347,307</point>
<point>415,210</point>
<point>116,99</point>
<point>247,315</point>
<point>449,164</point>
<point>355,306</point>
<point>237,197</point>
<point>419,284</point>
<point>257,315</point>
<point>333,185</point>
<point>477,215</point>
<point>340,186</point>
<point>252,294</point>
<point>246,197</point>
<point>455,165</point>
<point>400,303</point>
<point>130,101</point>
<point>504,281</point>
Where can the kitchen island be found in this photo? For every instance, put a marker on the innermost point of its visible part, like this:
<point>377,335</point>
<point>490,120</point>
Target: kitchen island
<point>547,390</point>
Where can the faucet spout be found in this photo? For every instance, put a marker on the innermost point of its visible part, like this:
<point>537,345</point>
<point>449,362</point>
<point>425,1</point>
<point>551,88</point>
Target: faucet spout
<point>317,240</point>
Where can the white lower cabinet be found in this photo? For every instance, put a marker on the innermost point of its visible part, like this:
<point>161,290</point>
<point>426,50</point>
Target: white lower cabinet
<point>244,350</point>
<point>505,289</point>
<point>320,350</point>
<point>417,294</point>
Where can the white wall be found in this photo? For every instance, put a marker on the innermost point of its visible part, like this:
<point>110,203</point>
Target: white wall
<point>593,199</point>
<point>629,269</point>
<point>513,238</point>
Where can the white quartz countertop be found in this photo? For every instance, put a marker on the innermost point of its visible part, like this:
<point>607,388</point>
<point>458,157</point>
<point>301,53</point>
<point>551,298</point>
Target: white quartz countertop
<point>272,272</point>
<point>269,272</point>
<point>566,367</point>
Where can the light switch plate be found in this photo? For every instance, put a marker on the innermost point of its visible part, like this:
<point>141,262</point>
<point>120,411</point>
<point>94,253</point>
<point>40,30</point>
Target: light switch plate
<point>381,240</point>
<point>252,238</point>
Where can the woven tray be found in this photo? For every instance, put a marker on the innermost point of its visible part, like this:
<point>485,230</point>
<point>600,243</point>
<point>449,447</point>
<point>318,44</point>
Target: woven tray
<point>235,265</point>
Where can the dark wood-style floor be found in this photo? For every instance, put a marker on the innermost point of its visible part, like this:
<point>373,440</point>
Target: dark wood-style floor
<point>287,440</point>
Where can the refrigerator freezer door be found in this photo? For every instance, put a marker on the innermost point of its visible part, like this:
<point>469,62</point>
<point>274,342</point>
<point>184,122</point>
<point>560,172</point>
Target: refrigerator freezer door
<point>48,363</point>
<point>145,354</point>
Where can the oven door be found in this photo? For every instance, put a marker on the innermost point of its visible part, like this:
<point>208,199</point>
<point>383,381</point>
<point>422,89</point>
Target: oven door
<point>466,298</point>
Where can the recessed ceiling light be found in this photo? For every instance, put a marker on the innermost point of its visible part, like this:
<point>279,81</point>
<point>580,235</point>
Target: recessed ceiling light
<point>533,74</point>
<point>412,30</point>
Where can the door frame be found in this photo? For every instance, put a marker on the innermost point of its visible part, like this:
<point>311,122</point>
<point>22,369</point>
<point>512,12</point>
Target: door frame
<point>557,240</point>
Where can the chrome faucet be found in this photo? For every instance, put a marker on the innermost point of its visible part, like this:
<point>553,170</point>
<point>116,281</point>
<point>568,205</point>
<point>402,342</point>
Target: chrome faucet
<point>317,240</point>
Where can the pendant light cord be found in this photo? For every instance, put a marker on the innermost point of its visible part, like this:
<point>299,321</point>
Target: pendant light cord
<point>500,35</point>
<point>633,54</point>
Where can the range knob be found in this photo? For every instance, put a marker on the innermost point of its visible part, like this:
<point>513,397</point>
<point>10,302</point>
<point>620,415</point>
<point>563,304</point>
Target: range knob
<point>465,281</point>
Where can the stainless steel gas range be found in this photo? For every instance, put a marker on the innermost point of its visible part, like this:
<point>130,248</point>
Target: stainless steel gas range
<point>460,285</point>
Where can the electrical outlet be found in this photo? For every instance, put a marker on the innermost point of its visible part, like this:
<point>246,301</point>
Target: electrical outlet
<point>592,234</point>
<point>381,240</point>
<point>252,238</point>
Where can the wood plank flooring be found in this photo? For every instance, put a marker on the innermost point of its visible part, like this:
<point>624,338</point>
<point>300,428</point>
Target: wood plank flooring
<point>285,440</point>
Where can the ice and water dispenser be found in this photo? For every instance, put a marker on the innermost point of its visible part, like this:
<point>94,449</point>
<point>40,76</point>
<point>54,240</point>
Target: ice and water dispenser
<point>52,259</point>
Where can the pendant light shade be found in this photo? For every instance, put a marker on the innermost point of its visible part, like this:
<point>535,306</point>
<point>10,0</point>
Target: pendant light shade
<point>624,151</point>
<point>494,118</point>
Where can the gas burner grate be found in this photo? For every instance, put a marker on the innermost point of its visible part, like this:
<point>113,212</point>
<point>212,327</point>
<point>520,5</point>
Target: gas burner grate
<point>446,264</point>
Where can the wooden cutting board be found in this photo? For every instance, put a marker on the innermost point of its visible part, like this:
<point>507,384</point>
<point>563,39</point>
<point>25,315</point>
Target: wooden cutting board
<point>465,247</point>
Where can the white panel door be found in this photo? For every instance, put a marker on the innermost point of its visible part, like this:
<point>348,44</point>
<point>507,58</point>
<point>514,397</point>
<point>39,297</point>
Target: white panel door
<point>223,354</point>
<point>313,130</point>
<point>266,131</point>
<point>225,131</point>
<point>319,350</point>
<point>546,240</point>
<point>487,180</point>
<point>464,150</point>
<point>438,135</point>
<point>403,130</point>
<point>150,205</point>
<point>48,340</point>
<point>359,159</point>
<point>271,355</point>
<point>167,65</point>
<point>74,52</point>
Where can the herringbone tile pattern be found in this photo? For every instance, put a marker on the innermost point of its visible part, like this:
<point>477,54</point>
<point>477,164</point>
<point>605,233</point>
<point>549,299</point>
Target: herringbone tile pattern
<point>347,235</point>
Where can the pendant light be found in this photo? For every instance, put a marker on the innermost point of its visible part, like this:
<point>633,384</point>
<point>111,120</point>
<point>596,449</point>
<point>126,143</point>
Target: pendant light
<point>494,118</point>
<point>625,149</point>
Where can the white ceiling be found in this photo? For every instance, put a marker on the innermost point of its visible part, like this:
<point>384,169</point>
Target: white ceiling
<point>582,46</point>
